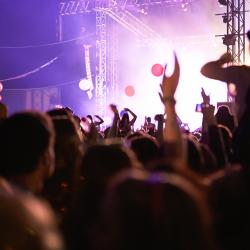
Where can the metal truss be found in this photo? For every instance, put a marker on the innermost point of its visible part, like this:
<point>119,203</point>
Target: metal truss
<point>234,17</point>
<point>76,7</point>
<point>112,61</point>
<point>83,6</point>
<point>106,82</point>
<point>101,72</point>
<point>131,23</point>
<point>236,29</point>
<point>235,36</point>
<point>143,3</point>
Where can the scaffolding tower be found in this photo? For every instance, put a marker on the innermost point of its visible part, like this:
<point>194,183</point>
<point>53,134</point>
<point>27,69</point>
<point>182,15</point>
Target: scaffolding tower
<point>101,56</point>
<point>234,39</point>
<point>112,61</point>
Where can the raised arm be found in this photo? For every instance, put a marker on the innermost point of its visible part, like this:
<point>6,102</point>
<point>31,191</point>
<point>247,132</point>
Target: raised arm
<point>131,123</point>
<point>101,121</point>
<point>211,134</point>
<point>208,113</point>
<point>172,133</point>
<point>160,126</point>
<point>216,70</point>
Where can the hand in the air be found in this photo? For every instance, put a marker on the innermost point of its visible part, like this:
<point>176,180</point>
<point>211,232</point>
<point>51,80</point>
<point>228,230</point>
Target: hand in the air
<point>205,98</point>
<point>169,84</point>
<point>113,108</point>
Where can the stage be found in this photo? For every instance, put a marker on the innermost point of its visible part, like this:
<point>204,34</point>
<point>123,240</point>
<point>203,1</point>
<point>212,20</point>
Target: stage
<point>48,48</point>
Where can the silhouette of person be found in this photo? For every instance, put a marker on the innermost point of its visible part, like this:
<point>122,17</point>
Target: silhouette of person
<point>237,74</point>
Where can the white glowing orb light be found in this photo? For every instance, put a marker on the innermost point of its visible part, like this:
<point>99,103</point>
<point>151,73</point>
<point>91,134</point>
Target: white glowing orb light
<point>85,84</point>
<point>1,86</point>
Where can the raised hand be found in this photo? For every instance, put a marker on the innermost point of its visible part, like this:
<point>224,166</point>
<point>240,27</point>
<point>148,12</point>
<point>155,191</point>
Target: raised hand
<point>113,108</point>
<point>97,123</point>
<point>205,98</point>
<point>169,84</point>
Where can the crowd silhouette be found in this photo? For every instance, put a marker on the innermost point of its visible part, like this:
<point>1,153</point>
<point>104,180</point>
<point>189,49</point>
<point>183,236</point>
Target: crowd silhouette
<point>66,183</point>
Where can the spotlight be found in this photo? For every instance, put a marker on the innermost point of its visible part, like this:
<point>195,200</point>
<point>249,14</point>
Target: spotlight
<point>226,19</point>
<point>223,2</point>
<point>129,90</point>
<point>229,40</point>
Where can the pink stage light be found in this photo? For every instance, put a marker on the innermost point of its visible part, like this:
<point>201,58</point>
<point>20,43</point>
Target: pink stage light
<point>130,91</point>
<point>157,69</point>
<point>1,86</point>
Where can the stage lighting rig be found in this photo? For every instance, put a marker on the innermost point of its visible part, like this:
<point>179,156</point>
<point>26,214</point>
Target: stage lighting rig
<point>73,7</point>
<point>226,18</point>
<point>234,38</point>
<point>223,2</point>
<point>229,40</point>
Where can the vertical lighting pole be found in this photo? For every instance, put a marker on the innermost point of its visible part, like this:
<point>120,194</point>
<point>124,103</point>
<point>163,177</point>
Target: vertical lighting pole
<point>235,36</point>
<point>112,61</point>
<point>101,55</point>
<point>241,12</point>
